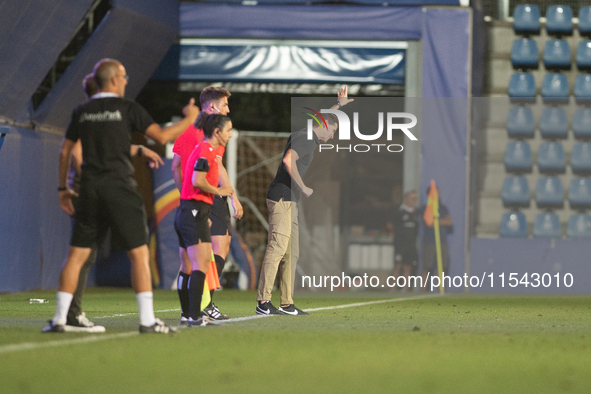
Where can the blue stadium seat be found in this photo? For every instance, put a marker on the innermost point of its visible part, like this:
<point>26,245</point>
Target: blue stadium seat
<point>515,192</point>
<point>547,225</point>
<point>522,87</point>
<point>518,157</point>
<point>526,19</point>
<point>559,20</point>
<point>580,158</point>
<point>551,158</point>
<point>553,123</point>
<point>513,225</point>
<point>583,88</point>
<point>585,21</point>
<point>582,123</point>
<point>520,122</point>
<point>583,57</point>
<point>524,54</point>
<point>555,88</point>
<point>557,55</point>
<point>579,226</point>
<point>579,193</point>
<point>549,192</point>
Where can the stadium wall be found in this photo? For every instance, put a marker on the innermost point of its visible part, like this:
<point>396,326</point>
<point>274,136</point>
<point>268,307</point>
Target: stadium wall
<point>34,232</point>
<point>544,257</point>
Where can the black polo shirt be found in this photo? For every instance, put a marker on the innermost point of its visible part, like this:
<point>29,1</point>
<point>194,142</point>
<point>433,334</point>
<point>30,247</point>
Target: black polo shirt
<point>283,186</point>
<point>104,125</point>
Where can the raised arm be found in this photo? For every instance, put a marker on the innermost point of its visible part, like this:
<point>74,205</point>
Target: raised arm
<point>164,135</point>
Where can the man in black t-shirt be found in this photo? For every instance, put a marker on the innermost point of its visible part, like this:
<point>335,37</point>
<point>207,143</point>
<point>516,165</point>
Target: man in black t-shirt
<point>77,320</point>
<point>282,197</point>
<point>406,230</point>
<point>108,191</point>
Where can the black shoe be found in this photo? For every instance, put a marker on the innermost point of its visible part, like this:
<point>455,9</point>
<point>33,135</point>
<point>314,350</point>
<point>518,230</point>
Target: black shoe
<point>214,313</point>
<point>291,310</point>
<point>266,308</point>
<point>184,321</point>
<point>53,328</point>
<point>201,321</point>
<point>157,328</point>
<point>81,324</point>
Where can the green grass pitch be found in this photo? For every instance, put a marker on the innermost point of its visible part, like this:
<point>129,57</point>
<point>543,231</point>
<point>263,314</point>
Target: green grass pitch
<point>450,344</point>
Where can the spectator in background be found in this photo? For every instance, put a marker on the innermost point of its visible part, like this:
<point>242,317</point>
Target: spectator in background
<point>428,250</point>
<point>406,228</point>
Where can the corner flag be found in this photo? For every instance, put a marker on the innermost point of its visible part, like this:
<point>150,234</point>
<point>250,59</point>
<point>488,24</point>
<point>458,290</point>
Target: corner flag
<point>431,218</point>
<point>432,209</point>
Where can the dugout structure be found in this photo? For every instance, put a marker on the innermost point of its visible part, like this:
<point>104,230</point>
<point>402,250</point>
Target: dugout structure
<point>33,231</point>
<point>439,63</point>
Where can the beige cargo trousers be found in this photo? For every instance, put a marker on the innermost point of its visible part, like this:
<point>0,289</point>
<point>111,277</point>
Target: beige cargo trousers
<point>283,243</point>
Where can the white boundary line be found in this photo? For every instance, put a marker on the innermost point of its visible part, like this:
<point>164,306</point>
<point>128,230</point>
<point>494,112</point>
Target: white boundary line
<point>17,347</point>
<point>327,308</point>
<point>134,313</point>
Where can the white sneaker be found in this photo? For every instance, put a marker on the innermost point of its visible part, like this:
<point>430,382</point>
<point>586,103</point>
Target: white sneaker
<point>157,328</point>
<point>82,324</point>
<point>202,321</point>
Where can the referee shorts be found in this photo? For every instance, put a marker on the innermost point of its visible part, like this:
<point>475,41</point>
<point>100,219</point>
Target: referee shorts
<point>114,203</point>
<point>191,224</point>
<point>220,216</point>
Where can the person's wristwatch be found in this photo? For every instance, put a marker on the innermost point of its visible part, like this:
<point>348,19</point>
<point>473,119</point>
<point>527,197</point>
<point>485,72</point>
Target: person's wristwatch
<point>62,189</point>
<point>139,150</point>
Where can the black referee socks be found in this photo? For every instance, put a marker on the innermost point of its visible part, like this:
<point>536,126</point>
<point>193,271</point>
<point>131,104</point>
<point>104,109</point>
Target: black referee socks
<point>196,293</point>
<point>183,290</point>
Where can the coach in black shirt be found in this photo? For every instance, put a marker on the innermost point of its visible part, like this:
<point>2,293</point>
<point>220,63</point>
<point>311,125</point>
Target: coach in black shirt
<point>282,197</point>
<point>108,190</point>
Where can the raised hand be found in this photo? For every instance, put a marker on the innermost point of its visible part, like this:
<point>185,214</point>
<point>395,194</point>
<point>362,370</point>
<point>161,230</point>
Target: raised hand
<point>342,96</point>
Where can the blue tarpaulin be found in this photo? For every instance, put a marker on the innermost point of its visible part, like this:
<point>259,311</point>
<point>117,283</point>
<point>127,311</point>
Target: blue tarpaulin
<point>318,22</point>
<point>396,3</point>
<point>291,61</point>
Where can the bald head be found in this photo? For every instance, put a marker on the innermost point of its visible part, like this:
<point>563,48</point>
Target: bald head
<point>110,76</point>
<point>104,70</point>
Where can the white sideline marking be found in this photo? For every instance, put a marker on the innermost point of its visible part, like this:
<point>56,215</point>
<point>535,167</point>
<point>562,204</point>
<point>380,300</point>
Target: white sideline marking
<point>326,308</point>
<point>17,347</point>
<point>371,302</point>
<point>134,313</point>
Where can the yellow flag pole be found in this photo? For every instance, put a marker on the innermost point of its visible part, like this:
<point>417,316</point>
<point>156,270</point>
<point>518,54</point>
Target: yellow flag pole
<point>435,206</point>
<point>438,251</point>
